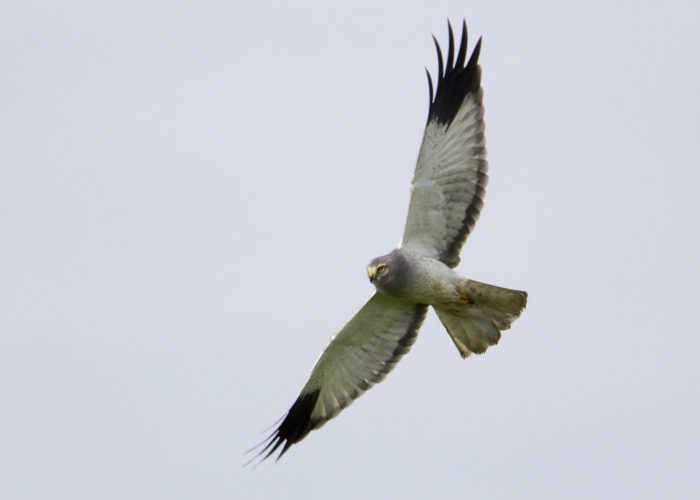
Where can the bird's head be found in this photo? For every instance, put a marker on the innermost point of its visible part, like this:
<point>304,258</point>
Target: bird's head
<point>388,272</point>
<point>377,269</point>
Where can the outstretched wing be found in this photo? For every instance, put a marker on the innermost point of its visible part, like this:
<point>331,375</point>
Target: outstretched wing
<point>358,356</point>
<point>449,183</point>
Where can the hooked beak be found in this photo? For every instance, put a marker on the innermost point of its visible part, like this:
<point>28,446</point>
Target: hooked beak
<point>371,270</point>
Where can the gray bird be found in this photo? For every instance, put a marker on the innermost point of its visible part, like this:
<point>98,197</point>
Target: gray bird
<point>447,194</point>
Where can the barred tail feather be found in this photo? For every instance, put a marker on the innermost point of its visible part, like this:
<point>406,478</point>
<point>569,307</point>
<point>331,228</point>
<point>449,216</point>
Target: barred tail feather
<point>476,325</point>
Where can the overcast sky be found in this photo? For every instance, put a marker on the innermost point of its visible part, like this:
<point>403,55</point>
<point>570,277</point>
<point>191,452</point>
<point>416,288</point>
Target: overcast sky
<point>190,192</point>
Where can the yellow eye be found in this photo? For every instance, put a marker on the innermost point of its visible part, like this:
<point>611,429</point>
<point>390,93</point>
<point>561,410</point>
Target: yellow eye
<point>381,269</point>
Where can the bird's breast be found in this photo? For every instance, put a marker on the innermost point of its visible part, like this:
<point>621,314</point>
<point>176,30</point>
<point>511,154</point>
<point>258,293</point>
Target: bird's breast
<point>430,281</point>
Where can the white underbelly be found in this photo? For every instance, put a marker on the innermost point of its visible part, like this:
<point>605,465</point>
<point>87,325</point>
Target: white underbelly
<point>434,282</point>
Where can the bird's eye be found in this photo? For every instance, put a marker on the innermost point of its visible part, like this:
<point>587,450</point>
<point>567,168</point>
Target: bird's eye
<point>381,269</point>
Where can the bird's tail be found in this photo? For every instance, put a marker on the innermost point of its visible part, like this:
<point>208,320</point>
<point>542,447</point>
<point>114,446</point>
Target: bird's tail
<point>476,321</point>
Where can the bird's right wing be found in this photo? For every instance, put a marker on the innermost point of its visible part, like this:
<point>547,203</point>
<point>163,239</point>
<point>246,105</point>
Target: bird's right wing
<point>358,356</point>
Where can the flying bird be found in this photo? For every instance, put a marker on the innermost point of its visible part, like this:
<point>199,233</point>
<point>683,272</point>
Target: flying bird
<point>447,194</point>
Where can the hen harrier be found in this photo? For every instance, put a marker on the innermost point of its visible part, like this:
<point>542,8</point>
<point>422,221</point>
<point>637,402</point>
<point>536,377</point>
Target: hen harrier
<point>447,194</point>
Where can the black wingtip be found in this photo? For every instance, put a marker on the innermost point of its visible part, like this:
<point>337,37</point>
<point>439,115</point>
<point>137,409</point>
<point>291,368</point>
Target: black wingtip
<point>430,87</point>
<point>455,80</point>
<point>462,46</point>
<point>295,426</point>
<point>439,56</point>
<point>451,45</point>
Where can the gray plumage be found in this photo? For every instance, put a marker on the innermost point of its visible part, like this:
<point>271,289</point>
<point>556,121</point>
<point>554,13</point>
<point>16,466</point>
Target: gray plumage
<point>447,194</point>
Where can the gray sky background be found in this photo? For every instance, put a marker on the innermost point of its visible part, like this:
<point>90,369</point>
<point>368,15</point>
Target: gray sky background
<point>189,194</point>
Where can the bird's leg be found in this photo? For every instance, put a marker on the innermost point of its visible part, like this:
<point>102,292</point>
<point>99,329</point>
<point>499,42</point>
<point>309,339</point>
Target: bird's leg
<point>463,299</point>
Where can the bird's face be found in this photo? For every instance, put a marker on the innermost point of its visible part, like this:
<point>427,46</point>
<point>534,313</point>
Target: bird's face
<point>388,273</point>
<point>377,270</point>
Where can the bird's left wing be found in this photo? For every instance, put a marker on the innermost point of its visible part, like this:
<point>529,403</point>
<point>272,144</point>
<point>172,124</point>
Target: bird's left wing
<point>358,356</point>
<point>450,179</point>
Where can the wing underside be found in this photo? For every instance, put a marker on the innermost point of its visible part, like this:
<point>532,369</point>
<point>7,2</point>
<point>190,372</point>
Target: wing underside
<point>358,356</point>
<point>449,183</point>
